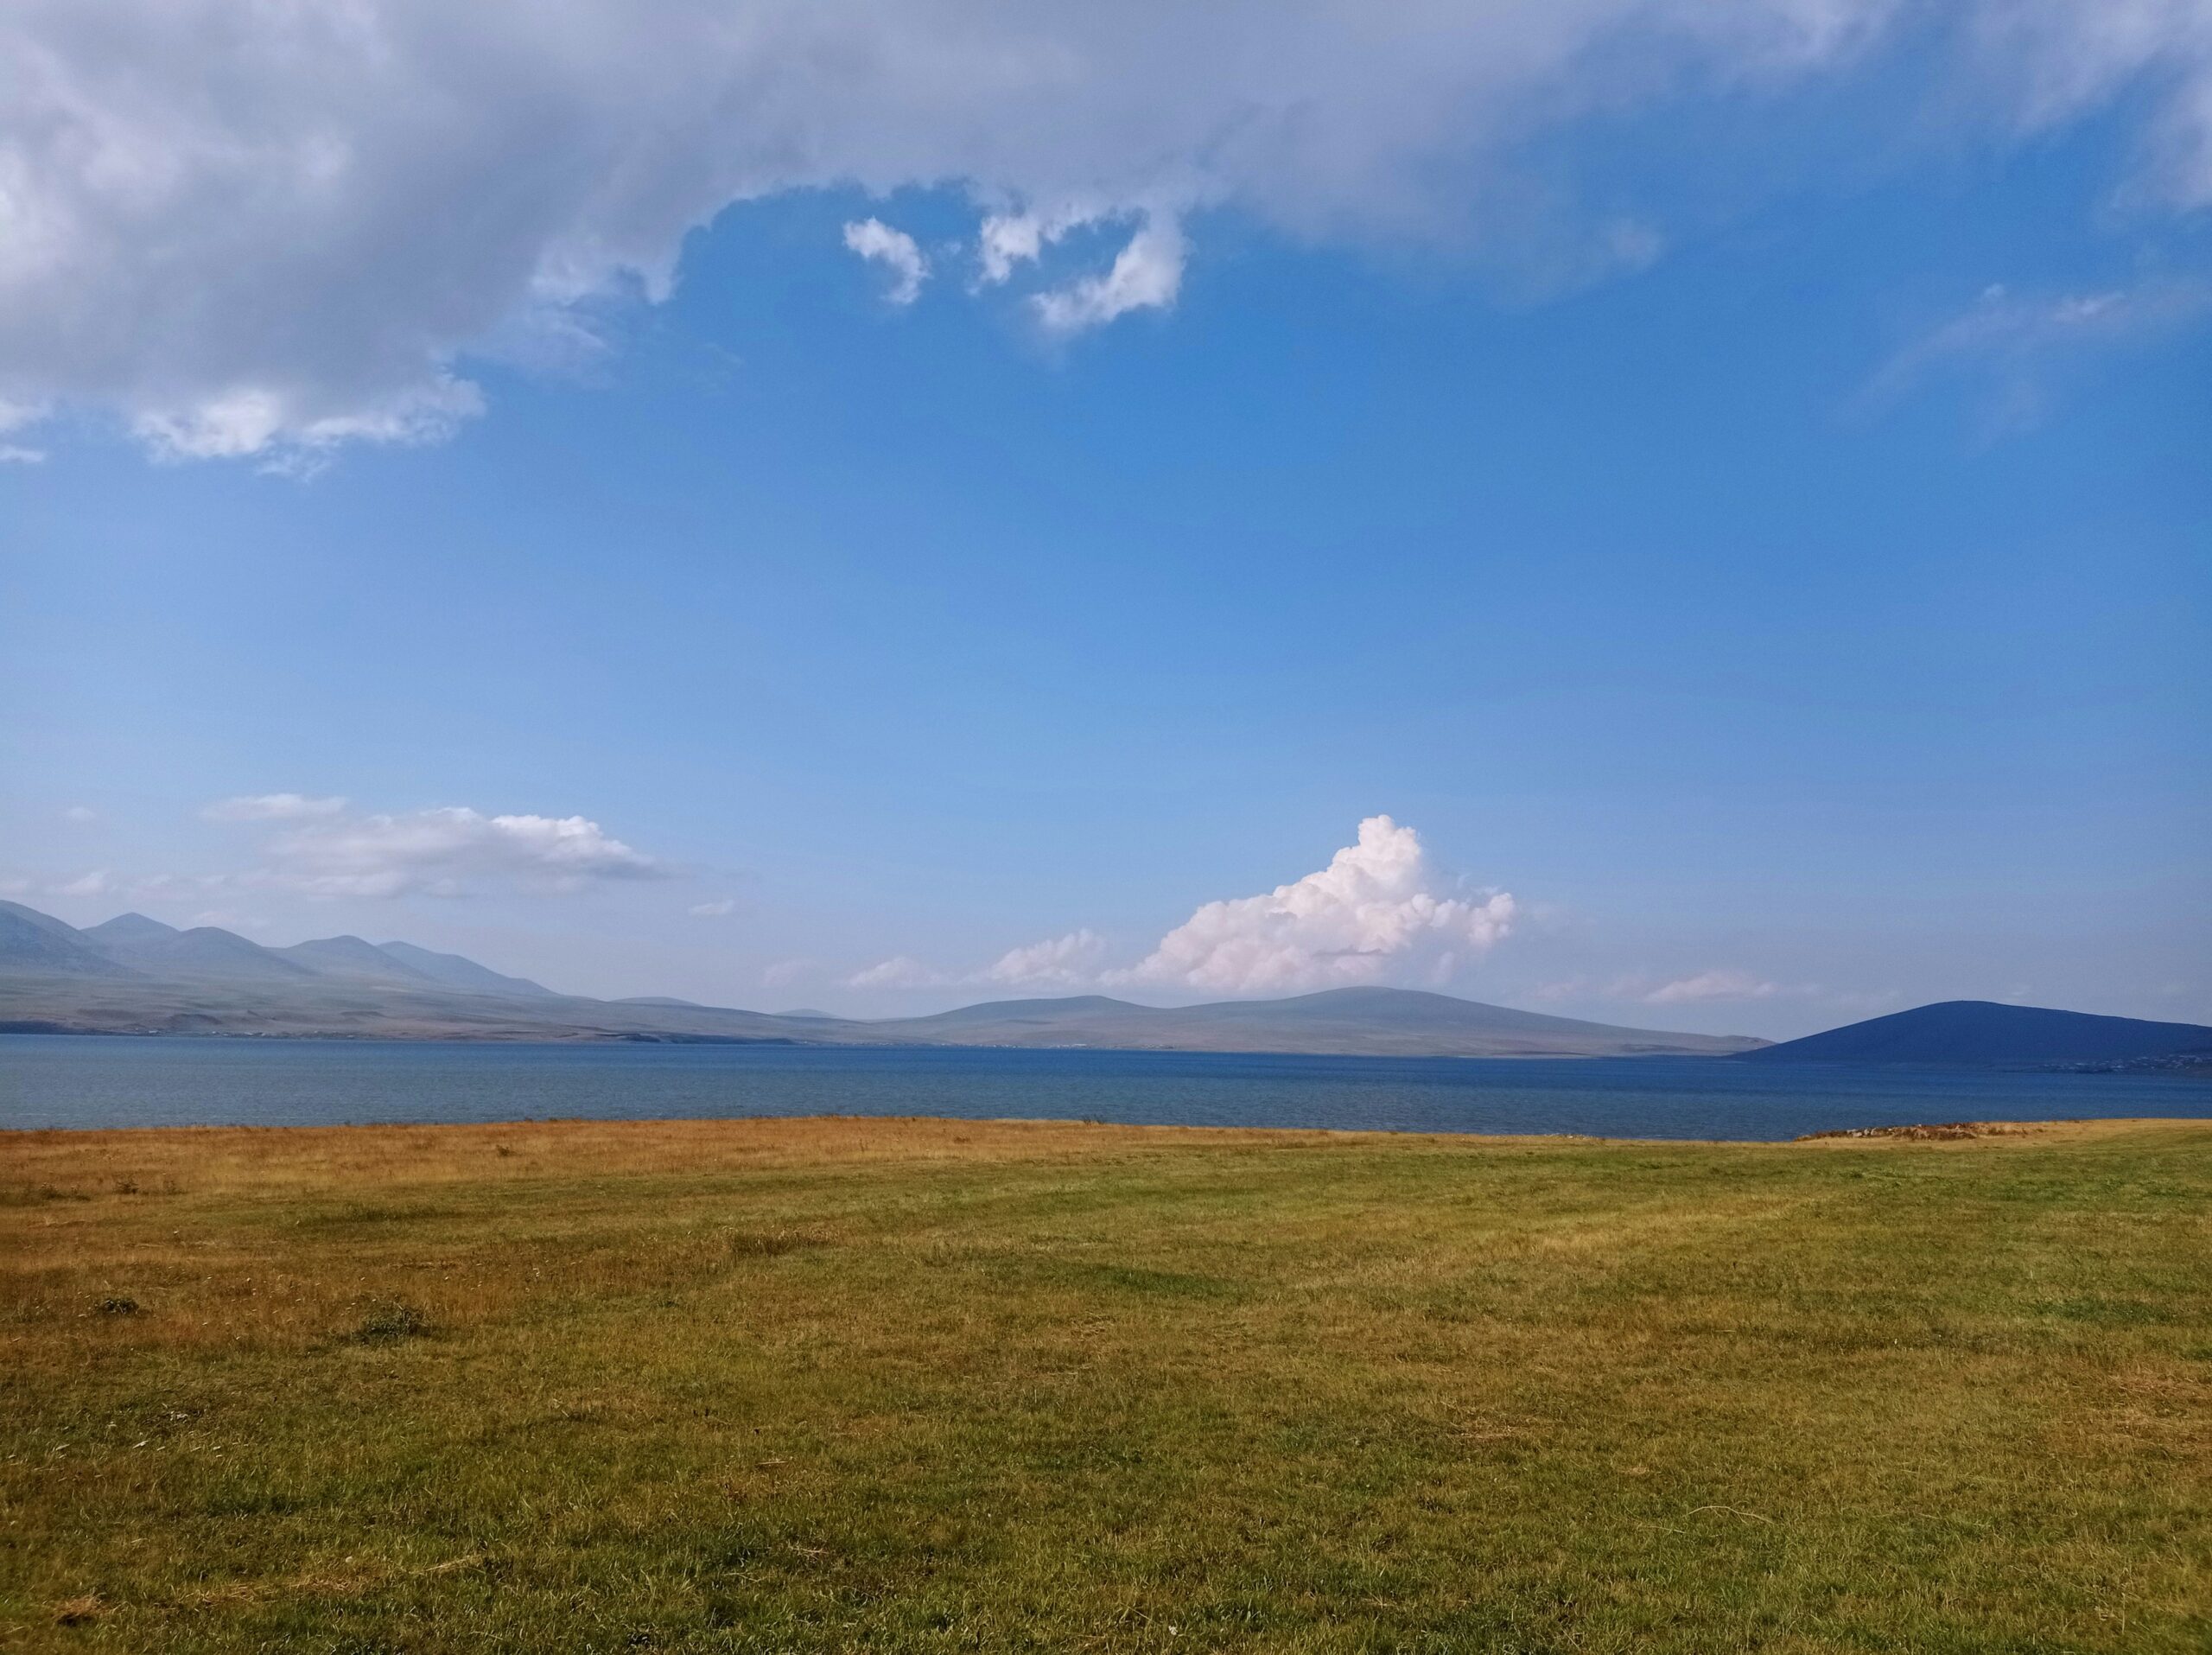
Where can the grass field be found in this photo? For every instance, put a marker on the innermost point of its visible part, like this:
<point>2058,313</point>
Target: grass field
<point>930,1385</point>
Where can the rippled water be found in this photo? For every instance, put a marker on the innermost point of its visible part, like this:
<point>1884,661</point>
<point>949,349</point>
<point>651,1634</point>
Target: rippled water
<point>84,1081</point>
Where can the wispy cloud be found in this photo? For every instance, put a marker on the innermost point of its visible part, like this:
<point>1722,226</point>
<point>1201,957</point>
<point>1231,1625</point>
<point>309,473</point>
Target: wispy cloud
<point>440,851</point>
<point>1057,963</point>
<point>720,909</point>
<point>901,971</point>
<point>13,417</point>
<point>447,851</point>
<point>1715,985</point>
<point>2024,343</point>
<point>875,240</point>
<point>272,808</point>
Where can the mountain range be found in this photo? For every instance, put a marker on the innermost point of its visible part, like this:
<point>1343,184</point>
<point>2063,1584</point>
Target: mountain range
<point>133,975</point>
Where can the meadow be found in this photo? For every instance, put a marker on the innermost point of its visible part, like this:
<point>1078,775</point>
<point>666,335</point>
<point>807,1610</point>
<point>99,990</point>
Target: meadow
<point>925,1386</point>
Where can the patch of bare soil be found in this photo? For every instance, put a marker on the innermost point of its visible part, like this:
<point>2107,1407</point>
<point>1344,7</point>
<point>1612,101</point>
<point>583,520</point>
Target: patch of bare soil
<point>1943,1131</point>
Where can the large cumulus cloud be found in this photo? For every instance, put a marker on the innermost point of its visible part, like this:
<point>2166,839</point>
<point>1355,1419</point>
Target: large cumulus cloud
<point>1379,910</point>
<point>278,225</point>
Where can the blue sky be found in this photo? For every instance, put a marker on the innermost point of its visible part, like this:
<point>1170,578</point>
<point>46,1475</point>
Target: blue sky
<point>1765,533</point>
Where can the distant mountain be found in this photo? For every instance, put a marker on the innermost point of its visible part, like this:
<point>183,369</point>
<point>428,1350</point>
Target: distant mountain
<point>1988,1034</point>
<point>126,928</point>
<point>456,971</point>
<point>350,956</point>
<point>202,952</point>
<point>133,946</point>
<point>136,975</point>
<point>33,944</point>
<point>132,973</point>
<point>1367,1021</point>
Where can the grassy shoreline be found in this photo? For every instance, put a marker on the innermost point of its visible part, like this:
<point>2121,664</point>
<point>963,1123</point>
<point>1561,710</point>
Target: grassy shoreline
<point>953,1385</point>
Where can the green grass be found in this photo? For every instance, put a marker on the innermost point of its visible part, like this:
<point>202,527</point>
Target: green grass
<point>842,1386</point>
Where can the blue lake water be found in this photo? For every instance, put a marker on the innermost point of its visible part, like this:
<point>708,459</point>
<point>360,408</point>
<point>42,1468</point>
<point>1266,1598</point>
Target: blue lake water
<point>89,1081</point>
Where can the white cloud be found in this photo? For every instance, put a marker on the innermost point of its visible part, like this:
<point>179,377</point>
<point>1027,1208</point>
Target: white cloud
<point>95,883</point>
<point>784,971</point>
<point>1721,984</point>
<point>1713,985</point>
<point>272,808</point>
<point>1379,909</point>
<point>1147,274</point>
<point>442,852</point>
<point>872,239</point>
<point>2022,339</point>
<point>80,815</point>
<point>1057,963</point>
<point>232,424</point>
<point>174,888</point>
<point>1005,239</point>
<point>2055,59</point>
<point>14,416</point>
<point>718,910</point>
<point>248,230</point>
<point>902,971</point>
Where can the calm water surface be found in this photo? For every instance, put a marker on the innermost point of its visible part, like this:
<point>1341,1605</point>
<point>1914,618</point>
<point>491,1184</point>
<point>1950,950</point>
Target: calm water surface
<point>48,1081</point>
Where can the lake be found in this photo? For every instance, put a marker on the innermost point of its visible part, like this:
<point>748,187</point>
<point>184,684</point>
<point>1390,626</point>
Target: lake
<point>60,1080</point>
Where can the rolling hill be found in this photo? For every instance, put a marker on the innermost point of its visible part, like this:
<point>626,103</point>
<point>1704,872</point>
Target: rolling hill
<point>1985,1033</point>
<point>1372,1020</point>
<point>458,972</point>
<point>152,949</point>
<point>350,956</point>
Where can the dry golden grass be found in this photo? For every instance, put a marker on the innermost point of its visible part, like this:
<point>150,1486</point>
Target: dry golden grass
<point>928,1384</point>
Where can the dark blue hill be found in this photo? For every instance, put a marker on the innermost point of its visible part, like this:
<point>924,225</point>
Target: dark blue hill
<point>1987,1035</point>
